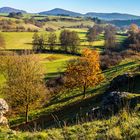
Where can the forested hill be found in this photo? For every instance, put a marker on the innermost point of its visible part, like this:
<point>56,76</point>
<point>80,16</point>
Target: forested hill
<point>122,23</point>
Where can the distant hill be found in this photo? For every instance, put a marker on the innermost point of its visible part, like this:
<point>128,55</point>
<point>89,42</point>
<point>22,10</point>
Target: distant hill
<point>103,16</point>
<point>112,16</point>
<point>122,23</point>
<point>63,12</point>
<point>58,11</point>
<point>10,10</point>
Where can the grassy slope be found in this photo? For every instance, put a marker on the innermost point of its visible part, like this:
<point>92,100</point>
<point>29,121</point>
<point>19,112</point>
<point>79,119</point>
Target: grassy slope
<point>75,99</point>
<point>57,65</point>
<point>123,126</point>
<point>72,99</point>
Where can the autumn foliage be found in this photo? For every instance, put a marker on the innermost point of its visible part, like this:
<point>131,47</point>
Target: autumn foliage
<point>85,71</point>
<point>24,88</point>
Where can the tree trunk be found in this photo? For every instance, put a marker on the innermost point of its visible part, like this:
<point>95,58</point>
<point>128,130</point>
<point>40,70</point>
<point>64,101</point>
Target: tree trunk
<point>84,91</point>
<point>27,109</point>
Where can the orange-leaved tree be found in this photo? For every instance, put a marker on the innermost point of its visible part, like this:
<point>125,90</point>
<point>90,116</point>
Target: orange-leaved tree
<point>84,72</point>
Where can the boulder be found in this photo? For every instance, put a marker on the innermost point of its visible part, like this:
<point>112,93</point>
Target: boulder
<point>111,104</point>
<point>126,83</point>
<point>3,110</point>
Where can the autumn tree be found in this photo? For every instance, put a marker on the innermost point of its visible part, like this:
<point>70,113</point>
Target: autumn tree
<point>133,41</point>
<point>84,72</point>
<point>52,38</point>
<point>133,28</point>
<point>24,89</point>
<point>2,41</point>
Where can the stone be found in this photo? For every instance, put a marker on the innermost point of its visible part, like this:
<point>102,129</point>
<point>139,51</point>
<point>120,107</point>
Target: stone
<point>111,104</point>
<point>3,110</point>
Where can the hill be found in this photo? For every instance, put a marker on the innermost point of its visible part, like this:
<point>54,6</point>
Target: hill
<point>112,16</point>
<point>104,16</point>
<point>10,10</point>
<point>58,11</point>
<point>122,23</point>
<point>63,12</point>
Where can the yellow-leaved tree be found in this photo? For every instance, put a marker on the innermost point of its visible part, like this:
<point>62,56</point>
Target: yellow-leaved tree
<point>24,88</point>
<point>84,72</point>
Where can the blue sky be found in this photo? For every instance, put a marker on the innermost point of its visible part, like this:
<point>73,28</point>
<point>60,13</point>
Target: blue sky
<point>83,6</point>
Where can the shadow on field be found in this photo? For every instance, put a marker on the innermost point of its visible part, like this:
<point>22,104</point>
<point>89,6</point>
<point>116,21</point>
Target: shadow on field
<point>70,114</point>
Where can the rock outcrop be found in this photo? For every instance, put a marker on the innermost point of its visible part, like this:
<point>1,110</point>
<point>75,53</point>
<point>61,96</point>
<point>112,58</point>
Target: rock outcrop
<point>128,82</point>
<point>3,109</point>
<point>111,104</point>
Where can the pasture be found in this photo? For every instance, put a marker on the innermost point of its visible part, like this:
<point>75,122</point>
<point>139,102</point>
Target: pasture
<point>54,63</point>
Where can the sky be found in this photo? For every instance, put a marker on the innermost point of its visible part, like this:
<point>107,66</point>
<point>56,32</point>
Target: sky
<point>82,6</point>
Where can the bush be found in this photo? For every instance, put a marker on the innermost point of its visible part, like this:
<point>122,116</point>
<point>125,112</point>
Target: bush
<point>109,59</point>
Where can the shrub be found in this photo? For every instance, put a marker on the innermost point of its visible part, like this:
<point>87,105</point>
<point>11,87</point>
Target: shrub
<point>109,59</point>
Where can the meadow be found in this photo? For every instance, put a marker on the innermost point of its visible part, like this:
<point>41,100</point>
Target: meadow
<point>65,111</point>
<point>23,40</point>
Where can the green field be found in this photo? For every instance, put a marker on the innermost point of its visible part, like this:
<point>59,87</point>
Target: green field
<point>70,107</point>
<point>23,40</point>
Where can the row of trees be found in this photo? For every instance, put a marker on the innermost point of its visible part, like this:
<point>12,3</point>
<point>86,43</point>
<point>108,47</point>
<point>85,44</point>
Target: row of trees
<point>15,15</point>
<point>69,41</point>
<point>109,35</point>
<point>9,25</point>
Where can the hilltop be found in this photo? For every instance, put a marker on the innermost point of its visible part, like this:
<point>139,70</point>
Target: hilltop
<point>58,11</point>
<point>10,10</point>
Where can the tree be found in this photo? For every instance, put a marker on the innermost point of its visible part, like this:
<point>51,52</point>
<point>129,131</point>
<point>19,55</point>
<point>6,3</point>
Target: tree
<point>15,15</point>
<point>110,37</point>
<point>41,43</point>
<point>2,42</point>
<point>38,42</point>
<point>73,42</point>
<point>84,72</point>
<point>24,88</point>
<point>52,38</point>
<point>134,41</point>
<point>64,40</point>
<point>69,41</point>
<point>35,41</point>
<point>133,28</point>
<point>93,33</point>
